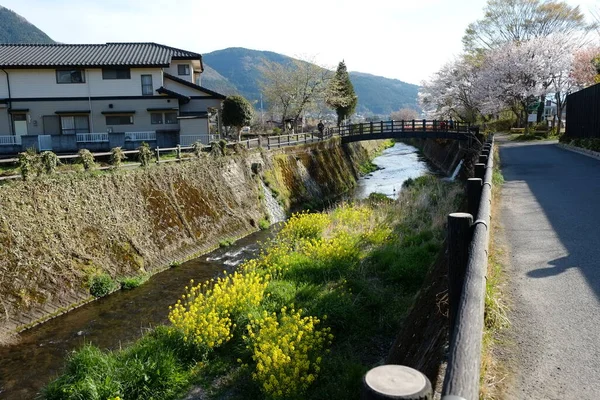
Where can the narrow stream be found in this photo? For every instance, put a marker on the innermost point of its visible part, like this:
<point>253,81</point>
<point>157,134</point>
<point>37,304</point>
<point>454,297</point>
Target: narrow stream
<point>123,316</point>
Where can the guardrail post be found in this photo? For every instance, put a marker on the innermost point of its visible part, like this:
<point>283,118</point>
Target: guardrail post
<point>268,143</point>
<point>392,126</point>
<point>474,186</point>
<point>157,151</point>
<point>371,127</point>
<point>479,170</point>
<point>279,142</point>
<point>179,152</point>
<point>459,239</point>
<point>483,159</point>
<point>380,126</point>
<point>398,382</point>
<point>424,125</point>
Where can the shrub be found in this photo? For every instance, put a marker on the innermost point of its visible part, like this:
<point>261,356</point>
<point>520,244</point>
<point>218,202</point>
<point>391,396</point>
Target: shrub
<point>29,163</point>
<point>305,226</point>
<point>287,350</point>
<point>276,131</point>
<point>117,156</point>
<point>144,154</point>
<point>49,162</point>
<point>264,224</point>
<point>87,159</point>
<point>175,264</point>
<point>205,315</point>
<point>198,148</point>
<point>101,285</point>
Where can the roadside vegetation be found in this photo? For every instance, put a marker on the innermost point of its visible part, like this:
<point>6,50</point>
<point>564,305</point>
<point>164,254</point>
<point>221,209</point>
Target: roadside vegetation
<point>584,143</point>
<point>306,319</point>
<point>493,372</point>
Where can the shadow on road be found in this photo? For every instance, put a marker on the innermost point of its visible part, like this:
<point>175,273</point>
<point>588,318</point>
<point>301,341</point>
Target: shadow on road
<point>567,187</point>
<point>559,266</point>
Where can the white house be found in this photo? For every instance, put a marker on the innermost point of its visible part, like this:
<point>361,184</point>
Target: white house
<point>63,97</point>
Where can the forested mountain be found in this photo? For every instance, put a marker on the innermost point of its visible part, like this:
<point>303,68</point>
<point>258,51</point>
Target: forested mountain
<point>16,29</point>
<point>238,70</point>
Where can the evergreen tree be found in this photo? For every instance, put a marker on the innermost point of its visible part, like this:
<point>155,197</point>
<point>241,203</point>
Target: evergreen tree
<point>237,112</point>
<point>340,94</point>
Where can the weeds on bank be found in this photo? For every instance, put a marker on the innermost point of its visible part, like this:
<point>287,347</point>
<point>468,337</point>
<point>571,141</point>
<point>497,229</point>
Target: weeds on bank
<point>320,306</point>
<point>496,311</point>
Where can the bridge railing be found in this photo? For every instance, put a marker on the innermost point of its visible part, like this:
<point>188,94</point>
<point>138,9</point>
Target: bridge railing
<point>393,126</point>
<point>468,241</point>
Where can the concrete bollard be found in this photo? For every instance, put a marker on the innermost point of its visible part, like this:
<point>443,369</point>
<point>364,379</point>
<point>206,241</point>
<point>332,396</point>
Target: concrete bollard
<point>479,171</point>
<point>474,186</point>
<point>396,382</point>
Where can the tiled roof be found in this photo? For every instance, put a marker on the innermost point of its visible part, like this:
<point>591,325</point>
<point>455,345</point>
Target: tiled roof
<point>194,86</point>
<point>91,55</point>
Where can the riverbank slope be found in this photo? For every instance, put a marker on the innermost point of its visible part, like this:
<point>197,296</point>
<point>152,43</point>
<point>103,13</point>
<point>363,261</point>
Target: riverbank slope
<point>58,232</point>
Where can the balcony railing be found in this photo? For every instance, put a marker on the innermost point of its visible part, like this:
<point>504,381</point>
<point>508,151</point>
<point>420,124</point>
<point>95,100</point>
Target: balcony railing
<point>92,137</point>
<point>10,140</point>
<point>140,136</point>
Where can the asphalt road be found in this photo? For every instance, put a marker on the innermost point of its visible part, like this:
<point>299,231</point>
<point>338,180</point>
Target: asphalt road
<point>550,213</point>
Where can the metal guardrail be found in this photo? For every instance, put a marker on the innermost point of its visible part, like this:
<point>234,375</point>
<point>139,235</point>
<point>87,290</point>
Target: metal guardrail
<point>468,242</point>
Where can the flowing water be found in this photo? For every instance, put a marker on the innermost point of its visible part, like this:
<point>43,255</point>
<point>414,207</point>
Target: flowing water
<point>122,317</point>
<point>396,164</point>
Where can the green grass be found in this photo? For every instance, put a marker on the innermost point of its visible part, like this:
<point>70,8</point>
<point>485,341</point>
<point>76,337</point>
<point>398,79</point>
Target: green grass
<point>359,278</point>
<point>133,282</point>
<point>226,242</point>
<point>367,167</point>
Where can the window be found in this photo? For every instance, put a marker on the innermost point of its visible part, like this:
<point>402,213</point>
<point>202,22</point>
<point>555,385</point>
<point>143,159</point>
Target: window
<point>70,76</point>
<point>183,69</point>
<point>116,73</point>
<point>147,85</point>
<point>72,124</point>
<point>119,120</point>
<point>160,118</point>
<point>156,118</point>
<point>170,118</point>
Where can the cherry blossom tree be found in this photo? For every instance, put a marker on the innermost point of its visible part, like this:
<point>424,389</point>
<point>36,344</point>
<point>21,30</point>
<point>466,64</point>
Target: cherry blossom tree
<point>586,66</point>
<point>449,93</point>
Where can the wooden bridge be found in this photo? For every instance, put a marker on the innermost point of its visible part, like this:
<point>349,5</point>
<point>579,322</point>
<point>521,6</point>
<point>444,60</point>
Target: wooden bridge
<point>422,129</point>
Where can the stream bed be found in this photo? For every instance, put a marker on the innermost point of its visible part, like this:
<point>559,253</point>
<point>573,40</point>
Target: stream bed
<point>122,317</point>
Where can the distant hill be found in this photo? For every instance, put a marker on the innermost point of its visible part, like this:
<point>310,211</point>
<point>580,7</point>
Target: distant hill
<point>237,69</point>
<point>16,29</point>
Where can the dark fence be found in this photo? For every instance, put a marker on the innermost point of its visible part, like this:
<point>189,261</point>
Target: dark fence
<point>468,240</point>
<point>583,116</point>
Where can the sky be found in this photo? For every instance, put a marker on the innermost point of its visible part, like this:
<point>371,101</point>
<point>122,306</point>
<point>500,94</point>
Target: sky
<point>407,40</point>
